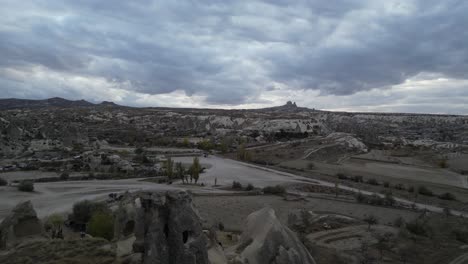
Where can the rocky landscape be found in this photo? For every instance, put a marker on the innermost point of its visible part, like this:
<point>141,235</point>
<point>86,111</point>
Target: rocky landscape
<point>287,184</point>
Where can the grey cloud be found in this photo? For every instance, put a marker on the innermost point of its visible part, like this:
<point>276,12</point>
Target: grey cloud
<point>231,52</point>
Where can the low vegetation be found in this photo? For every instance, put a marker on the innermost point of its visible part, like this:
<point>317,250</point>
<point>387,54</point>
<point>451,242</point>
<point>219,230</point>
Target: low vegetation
<point>101,224</point>
<point>84,210</point>
<point>26,186</point>
<point>3,182</point>
<point>236,185</point>
<point>277,190</point>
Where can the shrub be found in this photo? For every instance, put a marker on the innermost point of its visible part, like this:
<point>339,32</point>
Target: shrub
<point>386,184</point>
<point>277,189</point>
<point>361,198</point>
<point>399,222</point>
<point>358,179</point>
<point>310,166</point>
<point>249,187</point>
<point>399,186</point>
<point>341,176</point>
<point>376,200</point>
<point>447,196</point>
<point>221,226</point>
<point>26,186</point>
<point>64,176</point>
<point>372,182</point>
<point>389,200</point>
<point>54,221</point>
<point>443,163</point>
<point>3,182</point>
<point>236,185</point>
<point>418,227</point>
<point>101,225</point>
<point>411,189</point>
<point>424,191</point>
<point>461,235</point>
<point>82,211</point>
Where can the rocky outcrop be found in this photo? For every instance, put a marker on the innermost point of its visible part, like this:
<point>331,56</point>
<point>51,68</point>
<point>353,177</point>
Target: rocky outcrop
<point>168,229</point>
<point>21,223</point>
<point>266,241</point>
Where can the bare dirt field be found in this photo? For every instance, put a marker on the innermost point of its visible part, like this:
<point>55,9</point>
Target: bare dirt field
<point>233,210</point>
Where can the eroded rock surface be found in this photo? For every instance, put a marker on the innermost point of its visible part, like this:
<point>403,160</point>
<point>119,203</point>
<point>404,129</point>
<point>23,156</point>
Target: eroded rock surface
<point>168,229</point>
<point>266,241</point>
<point>21,223</point>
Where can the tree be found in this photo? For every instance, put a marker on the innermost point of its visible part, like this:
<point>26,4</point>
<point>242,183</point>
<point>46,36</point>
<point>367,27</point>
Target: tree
<point>101,225</point>
<point>243,154</point>
<point>180,171</point>
<point>370,220</point>
<point>195,169</point>
<point>169,166</point>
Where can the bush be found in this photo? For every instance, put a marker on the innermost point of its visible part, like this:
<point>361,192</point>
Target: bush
<point>101,225</point>
<point>249,187</point>
<point>372,182</point>
<point>399,222</point>
<point>64,176</point>
<point>26,186</point>
<point>358,179</point>
<point>82,211</point>
<point>418,227</point>
<point>3,182</point>
<point>443,164</point>
<point>310,166</point>
<point>399,186</point>
<point>54,221</point>
<point>424,191</point>
<point>277,189</point>
<point>341,176</point>
<point>236,185</point>
<point>411,189</point>
<point>361,198</point>
<point>461,235</point>
<point>389,200</point>
<point>447,196</point>
<point>386,184</point>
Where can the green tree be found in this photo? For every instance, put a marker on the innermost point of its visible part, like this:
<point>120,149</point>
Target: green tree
<point>101,225</point>
<point>180,171</point>
<point>195,169</point>
<point>243,154</point>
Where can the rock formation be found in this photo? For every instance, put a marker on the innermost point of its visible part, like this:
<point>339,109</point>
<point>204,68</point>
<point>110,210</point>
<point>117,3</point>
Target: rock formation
<point>21,223</point>
<point>266,241</point>
<point>168,229</point>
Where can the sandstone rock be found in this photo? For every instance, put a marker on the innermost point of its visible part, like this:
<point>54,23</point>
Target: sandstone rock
<point>21,223</point>
<point>215,250</point>
<point>266,241</point>
<point>168,229</point>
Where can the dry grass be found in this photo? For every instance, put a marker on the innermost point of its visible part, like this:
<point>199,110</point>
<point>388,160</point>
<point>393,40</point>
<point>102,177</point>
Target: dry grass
<point>60,252</point>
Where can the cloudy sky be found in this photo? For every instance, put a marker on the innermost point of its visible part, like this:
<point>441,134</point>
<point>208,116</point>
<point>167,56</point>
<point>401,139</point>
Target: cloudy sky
<point>354,55</point>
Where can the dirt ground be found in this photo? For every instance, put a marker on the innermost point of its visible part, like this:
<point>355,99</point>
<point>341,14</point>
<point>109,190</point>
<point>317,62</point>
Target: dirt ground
<point>233,210</point>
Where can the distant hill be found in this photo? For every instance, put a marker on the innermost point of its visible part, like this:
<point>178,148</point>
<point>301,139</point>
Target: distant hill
<point>13,103</point>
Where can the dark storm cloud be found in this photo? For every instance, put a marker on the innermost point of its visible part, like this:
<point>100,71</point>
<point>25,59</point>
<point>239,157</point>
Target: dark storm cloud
<point>231,52</point>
